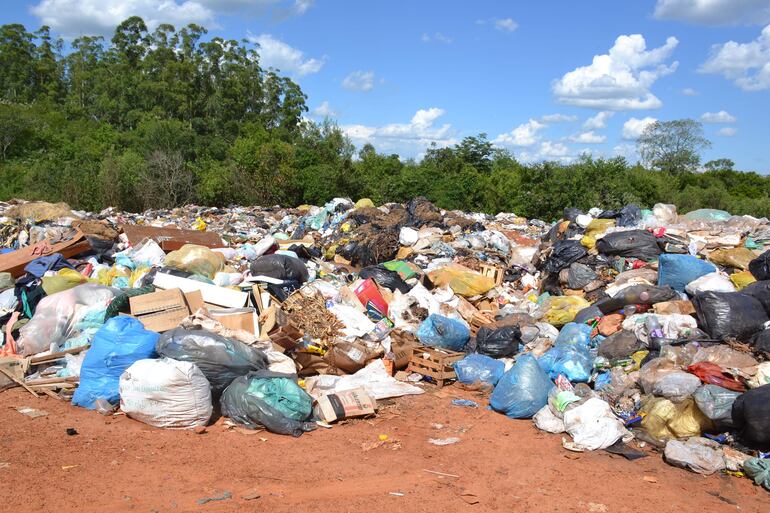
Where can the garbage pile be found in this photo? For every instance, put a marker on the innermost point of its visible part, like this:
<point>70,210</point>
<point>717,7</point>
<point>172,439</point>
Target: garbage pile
<point>624,330</point>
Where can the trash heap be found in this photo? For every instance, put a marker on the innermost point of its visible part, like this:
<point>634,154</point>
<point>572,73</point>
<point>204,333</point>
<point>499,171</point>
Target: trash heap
<point>626,330</point>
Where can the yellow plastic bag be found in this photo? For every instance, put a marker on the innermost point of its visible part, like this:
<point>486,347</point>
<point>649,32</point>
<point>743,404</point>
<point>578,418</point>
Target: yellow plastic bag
<point>599,226</point>
<point>364,202</point>
<point>664,419</point>
<point>65,279</point>
<point>137,274</point>
<point>742,279</point>
<point>588,242</point>
<point>196,260</point>
<point>108,276</point>
<point>738,258</point>
<point>463,282</point>
<point>199,224</point>
<point>559,310</point>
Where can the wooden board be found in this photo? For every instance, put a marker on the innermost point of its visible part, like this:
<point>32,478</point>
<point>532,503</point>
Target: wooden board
<point>15,261</point>
<point>438,364</point>
<point>171,239</point>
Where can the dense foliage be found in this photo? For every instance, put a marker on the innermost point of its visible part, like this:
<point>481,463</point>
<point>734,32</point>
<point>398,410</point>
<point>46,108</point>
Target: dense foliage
<point>163,118</point>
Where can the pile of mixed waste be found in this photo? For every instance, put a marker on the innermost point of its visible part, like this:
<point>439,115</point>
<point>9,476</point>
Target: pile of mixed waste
<point>626,330</point>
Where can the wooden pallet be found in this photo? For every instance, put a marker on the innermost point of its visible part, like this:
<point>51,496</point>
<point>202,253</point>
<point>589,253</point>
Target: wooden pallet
<point>478,320</point>
<point>437,365</point>
<point>494,272</point>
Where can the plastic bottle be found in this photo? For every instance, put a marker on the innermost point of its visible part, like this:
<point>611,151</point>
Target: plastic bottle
<point>103,406</point>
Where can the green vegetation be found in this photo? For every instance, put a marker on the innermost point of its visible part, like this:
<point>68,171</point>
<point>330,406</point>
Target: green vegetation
<point>163,118</point>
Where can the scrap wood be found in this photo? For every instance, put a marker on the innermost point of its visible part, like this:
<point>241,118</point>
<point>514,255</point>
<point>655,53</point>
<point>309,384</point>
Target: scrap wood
<point>439,473</point>
<point>307,311</point>
<point>18,382</point>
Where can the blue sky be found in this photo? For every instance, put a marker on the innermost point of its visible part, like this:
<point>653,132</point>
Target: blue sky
<point>547,79</point>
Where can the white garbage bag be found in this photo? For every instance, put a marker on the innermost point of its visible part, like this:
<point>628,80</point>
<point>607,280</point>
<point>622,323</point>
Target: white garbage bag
<point>593,425</point>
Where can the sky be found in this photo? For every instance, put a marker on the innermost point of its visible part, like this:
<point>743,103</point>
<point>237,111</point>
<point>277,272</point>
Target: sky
<point>545,80</point>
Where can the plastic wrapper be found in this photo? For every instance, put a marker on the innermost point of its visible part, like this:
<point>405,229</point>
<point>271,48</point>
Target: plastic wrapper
<point>726,357</point>
<point>465,283</point>
<point>440,331</point>
<point>751,417</point>
<point>698,454</point>
<point>559,310</point>
<point>677,271</point>
<point>118,344</point>
<point>665,213</point>
<point>655,370</point>
<point>664,420</point>
<point>502,342</point>
<point>738,258</point>
<point>716,403</point>
<point>270,400</point>
<point>676,386</point>
<point>639,244</point>
<point>729,314</point>
<point>760,266</point>
<point>194,259</point>
<point>758,470</point>
<point>593,425</point>
<point>57,316</point>
<point>280,267</point>
<point>714,282</point>
<point>220,359</point>
<point>166,393</point>
<point>476,368</point>
<point>522,390</point>
<point>707,214</point>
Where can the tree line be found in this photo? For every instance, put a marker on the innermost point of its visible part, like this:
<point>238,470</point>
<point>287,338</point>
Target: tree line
<point>163,118</point>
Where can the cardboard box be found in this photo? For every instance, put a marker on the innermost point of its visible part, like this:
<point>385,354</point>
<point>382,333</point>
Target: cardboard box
<point>342,405</point>
<point>164,310</point>
<point>212,294</point>
<point>237,318</point>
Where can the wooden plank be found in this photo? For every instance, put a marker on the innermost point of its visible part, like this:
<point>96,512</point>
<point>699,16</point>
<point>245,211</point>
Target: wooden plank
<point>37,360</point>
<point>15,261</point>
<point>170,238</point>
<point>18,382</point>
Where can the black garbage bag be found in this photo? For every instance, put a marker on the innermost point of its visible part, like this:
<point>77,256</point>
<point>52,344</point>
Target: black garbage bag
<point>760,342</point>
<point>564,252</point>
<point>571,213</point>
<point>500,342</point>
<point>588,313</point>
<point>636,295</point>
<point>760,266</point>
<point>220,359</point>
<point>269,399</point>
<point>751,417</point>
<point>283,291</point>
<point>385,278</point>
<point>608,214</point>
<point>639,244</point>
<point>280,267</point>
<point>304,252</point>
<point>761,291</point>
<point>580,275</point>
<point>729,314</point>
<point>620,345</point>
<point>630,215</point>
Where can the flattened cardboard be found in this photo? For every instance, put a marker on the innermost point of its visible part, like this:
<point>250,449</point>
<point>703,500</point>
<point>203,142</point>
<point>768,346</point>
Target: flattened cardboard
<point>344,405</point>
<point>237,318</point>
<point>212,294</point>
<point>164,310</point>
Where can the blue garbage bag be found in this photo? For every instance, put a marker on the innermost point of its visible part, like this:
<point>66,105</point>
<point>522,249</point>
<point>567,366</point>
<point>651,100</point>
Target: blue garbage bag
<point>440,331</point>
<point>678,270</point>
<point>479,367</point>
<point>572,360</point>
<point>575,333</point>
<point>522,390</point>
<point>119,343</point>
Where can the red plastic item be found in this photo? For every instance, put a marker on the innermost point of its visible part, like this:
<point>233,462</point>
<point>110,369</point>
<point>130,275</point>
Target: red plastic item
<point>713,374</point>
<point>367,292</point>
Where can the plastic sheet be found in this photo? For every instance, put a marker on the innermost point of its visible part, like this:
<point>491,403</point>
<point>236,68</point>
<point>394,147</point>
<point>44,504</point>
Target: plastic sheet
<point>264,398</point>
<point>698,454</point>
<point>677,271</point>
<point>522,390</point>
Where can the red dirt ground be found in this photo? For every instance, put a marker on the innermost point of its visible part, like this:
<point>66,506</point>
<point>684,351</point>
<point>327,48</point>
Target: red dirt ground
<point>116,464</point>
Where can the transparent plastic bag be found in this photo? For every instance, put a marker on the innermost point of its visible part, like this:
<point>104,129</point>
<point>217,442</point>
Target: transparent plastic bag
<point>195,259</point>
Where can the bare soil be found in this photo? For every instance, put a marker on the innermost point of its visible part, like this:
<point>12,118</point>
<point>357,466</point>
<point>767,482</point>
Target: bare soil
<point>116,464</point>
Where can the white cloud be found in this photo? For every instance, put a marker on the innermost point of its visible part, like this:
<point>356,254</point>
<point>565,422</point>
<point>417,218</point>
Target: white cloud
<point>523,135</point>
<point>620,79</point>
<point>634,127</point>
<point>72,18</point>
<point>718,117</point>
<point>589,137</point>
<point>505,24</point>
<point>301,6</point>
<point>359,81</point>
<point>324,110</point>
<point>411,137</point>
<point>599,120</point>
<point>689,91</point>
<point>274,53</point>
<point>558,118</point>
<point>727,131</point>
<point>628,151</point>
<point>438,37</point>
<point>714,12</point>
<point>746,64</point>
<point>550,149</point>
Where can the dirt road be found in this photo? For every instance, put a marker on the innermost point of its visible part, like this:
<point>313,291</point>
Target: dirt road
<point>116,464</point>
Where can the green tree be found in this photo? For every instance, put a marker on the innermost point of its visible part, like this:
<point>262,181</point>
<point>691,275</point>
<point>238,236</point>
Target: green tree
<point>673,146</point>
